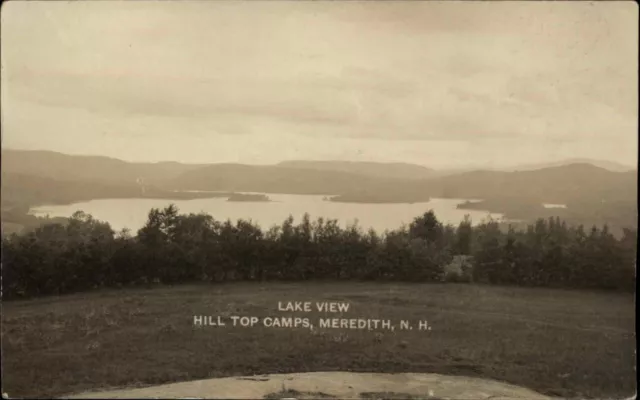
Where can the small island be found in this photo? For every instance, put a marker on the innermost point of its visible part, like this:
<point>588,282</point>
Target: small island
<point>514,207</point>
<point>249,197</point>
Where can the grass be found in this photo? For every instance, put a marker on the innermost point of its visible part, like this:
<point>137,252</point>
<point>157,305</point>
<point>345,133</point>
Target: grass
<point>558,342</point>
<point>393,396</point>
<point>294,394</point>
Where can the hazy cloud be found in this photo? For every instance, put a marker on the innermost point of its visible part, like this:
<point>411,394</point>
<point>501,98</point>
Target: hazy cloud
<point>319,75</point>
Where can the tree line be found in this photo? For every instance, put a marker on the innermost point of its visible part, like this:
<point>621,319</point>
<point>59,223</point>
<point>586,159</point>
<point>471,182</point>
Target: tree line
<point>173,248</point>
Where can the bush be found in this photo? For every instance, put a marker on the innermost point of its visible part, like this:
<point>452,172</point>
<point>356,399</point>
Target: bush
<point>173,248</point>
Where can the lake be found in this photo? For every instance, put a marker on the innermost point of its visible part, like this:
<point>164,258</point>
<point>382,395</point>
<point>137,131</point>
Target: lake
<point>132,213</point>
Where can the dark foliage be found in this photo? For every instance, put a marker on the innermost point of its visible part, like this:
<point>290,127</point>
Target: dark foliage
<point>172,248</point>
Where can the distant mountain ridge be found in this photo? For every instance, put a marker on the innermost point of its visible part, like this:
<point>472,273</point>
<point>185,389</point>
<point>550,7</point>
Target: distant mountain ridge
<point>28,190</point>
<point>350,181</point>
<point>562,184</point>
<point>56,165</point>
<point>608,165</point>
<point>275,179</point>
<point>59,166</point>
<point>556,184</point>
<point>593,194</point>
<point>394,170</point>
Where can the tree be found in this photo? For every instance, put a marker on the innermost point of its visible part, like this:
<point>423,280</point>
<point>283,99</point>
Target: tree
<point>463,236</point>
<point>426,227</point>
<point>84,253</point>
<point>489,262</point>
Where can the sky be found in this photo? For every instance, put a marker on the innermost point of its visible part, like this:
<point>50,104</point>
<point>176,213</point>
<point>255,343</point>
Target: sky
<point>441,84</point>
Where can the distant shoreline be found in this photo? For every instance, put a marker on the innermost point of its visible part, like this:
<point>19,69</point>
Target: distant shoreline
<point>242,197</point>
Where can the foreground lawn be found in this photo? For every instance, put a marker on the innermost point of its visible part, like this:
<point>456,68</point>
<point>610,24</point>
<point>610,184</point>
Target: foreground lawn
<point>560,343</point>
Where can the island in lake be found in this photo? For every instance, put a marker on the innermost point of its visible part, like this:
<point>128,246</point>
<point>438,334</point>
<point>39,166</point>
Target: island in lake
<point>249,197</point>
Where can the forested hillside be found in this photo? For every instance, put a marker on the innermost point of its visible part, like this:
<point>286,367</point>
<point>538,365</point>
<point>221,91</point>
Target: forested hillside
<point>348,181</point>
<point>20,192</point>
<point>173,248</point>
<point>58,166</point>
<point>618,214</point>
<point>373,169</point>
<point>568,183</point>
<point>277,179</point>
<point>28,190</point>
<point>592,194</point>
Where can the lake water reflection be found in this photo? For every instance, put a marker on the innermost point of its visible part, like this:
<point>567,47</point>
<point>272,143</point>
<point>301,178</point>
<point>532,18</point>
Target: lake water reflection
<point>132,213</point>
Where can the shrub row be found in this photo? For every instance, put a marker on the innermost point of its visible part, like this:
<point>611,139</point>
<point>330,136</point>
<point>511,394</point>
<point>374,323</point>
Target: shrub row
<point>173,248</point>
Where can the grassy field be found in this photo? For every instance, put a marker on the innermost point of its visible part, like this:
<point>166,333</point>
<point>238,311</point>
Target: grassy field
<point>561,343</point>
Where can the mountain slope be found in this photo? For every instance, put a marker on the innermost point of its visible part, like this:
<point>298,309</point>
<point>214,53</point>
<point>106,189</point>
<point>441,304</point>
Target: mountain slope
<point>24,191</point>
<point>608,165</point>
<point>358,182</point>
<point>373,169</point>
<point>49,164</point>
<point>562,184</point>
<point>570,183</point>
<point>276,179</point>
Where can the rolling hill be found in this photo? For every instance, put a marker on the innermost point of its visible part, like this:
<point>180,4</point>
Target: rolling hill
<point>608,165</point>
<point>592,194</point>
<point>49,164</point>
<point>372,169</point>
<point>568,183</point>
<point>29,190</point>
<point>276,179</point>
<point>74,178</point>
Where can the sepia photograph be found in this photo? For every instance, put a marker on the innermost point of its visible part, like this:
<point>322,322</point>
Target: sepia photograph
<point>290,199</point>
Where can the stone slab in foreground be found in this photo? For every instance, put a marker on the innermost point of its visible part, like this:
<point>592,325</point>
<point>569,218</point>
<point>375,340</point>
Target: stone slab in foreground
<point>328,385</point>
